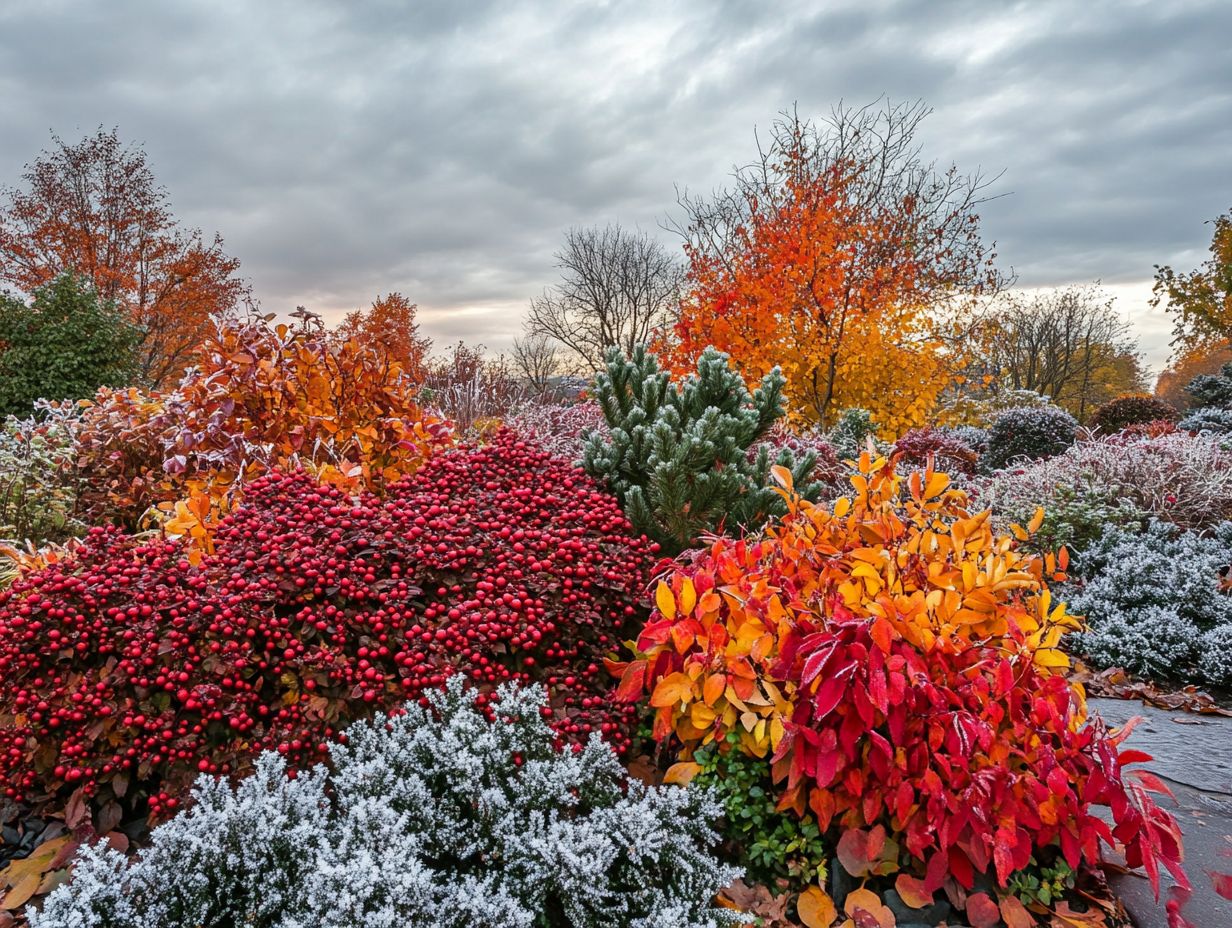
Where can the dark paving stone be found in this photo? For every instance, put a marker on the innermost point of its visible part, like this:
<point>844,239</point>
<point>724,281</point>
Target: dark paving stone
<point>1194,754</point>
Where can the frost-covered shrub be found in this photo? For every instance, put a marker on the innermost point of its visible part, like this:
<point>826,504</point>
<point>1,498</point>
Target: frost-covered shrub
<point>557,428</point>
<point>437,818</point>
<point>1155,602</point>
<point>972,436</point>
<point>948,452</point>
<point>1175,477</point>
<point>1029,434</point>
<point>1078,506</point>
<point>1212,390</point>
<point>1124,411</point>
<point>829,472</point>
<point>981,408</point>
<point>1208,420</point>
<point>852,432</point>
<point>38,475</point>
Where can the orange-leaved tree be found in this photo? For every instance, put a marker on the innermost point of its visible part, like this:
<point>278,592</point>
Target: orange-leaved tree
<point>389,327</point>
<point>94,207</point>
<point>844,259</point>
<point>1187,364</point>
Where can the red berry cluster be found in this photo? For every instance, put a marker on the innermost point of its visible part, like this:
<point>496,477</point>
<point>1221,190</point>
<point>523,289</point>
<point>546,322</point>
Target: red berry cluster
<point>128,671</point>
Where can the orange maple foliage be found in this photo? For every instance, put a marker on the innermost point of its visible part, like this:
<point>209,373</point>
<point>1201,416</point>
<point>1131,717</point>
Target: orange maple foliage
<point>388,326</point>
<point>833,259</point>
<point>94,207</point>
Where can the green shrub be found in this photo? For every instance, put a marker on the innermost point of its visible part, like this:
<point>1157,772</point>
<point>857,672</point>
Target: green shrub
<point>38,480</point>
<point>778,849</point>
<point>63,346</point>
<point>852,432</point>
<point>676,453</point>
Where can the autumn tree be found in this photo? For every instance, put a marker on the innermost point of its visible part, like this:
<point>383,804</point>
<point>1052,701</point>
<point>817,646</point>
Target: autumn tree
<point>843,257</point>
<point>95,208</point>
<point>1191,362</point>
<point>1068,344</point>
<point>388,327</point>
<point>617,289</point>
<point>1201,300</point>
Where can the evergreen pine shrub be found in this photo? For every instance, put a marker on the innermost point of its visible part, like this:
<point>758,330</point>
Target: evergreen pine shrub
<point>676,453</point>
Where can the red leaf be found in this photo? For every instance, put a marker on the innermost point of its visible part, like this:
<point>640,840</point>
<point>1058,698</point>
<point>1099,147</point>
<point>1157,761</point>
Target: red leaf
<point>1152,782</point>
<point>1222,883</point>
<point>632,681</point>
<point>853,852</point>
<point>982,912</point>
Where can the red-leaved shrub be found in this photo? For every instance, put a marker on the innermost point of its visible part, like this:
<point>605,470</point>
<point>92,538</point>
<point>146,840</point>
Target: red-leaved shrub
<point>128,670</point>
<point>948,452</point>
<point>898,663</point>
<point>1131,409</point>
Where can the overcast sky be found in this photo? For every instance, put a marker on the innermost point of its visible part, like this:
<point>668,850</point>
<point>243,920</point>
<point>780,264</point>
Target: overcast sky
<point>441,148</point>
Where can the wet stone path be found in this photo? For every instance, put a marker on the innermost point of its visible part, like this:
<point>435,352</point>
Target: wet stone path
<point>1193,753</point>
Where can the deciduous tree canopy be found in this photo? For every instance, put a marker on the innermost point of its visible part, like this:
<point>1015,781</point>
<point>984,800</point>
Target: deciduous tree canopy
<point>95,208</point>
<point>1202,299</point>
<point>842,257</point>
<point>64,345</point>
<point>1070,345</point>
<point>388,326</point>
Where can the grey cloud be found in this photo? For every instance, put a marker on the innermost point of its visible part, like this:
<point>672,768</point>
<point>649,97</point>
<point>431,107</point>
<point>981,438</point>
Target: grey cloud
<point>442,148</point>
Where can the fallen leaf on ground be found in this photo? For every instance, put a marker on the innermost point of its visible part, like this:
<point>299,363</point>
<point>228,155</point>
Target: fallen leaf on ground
<point>816,908</point>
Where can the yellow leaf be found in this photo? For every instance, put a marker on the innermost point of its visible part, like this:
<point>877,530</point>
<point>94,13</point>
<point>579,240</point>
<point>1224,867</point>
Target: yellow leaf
<point>665,601</point>
<point>672,689</point>
<point>688,597</point>
<point>815,908</point>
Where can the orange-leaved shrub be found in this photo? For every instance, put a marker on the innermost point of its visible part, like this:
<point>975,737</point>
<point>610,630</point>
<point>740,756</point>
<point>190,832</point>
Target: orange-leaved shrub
<point>261,397</point>
<point>898,662</point>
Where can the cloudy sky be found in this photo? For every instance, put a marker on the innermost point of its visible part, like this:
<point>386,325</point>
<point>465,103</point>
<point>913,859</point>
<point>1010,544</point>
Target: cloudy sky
<point>441,148</point>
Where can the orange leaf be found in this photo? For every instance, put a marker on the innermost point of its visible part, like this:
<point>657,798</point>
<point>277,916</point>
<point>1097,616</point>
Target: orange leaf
<point>815,908</point>
<point>912,891</point>
<point>867,910</point>
<point>682,773</point>
<point>1015,914</point>
<point>671,690</point>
